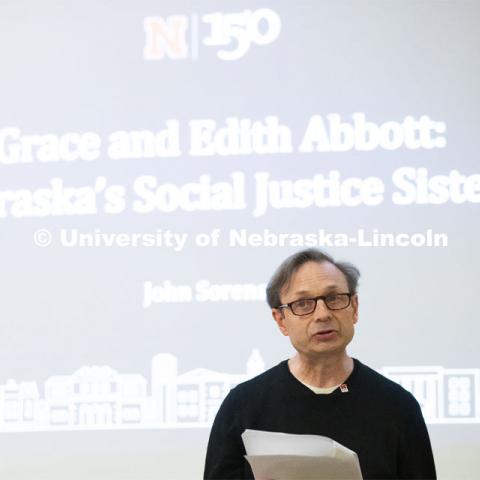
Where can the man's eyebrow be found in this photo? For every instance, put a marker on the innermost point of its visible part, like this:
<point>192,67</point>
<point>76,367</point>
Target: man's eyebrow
<point>301,292</point>
<point>309,292</point>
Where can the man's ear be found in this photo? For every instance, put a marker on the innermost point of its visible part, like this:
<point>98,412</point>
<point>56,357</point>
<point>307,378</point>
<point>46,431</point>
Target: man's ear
<point>277,315</point>
<point>355,308</point>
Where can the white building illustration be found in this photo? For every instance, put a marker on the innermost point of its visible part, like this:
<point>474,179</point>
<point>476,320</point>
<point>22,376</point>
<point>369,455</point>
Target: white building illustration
<point>445,395</point>
<point>95,398</point>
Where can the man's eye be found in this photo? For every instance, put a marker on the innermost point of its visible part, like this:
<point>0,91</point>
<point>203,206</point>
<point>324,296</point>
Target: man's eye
<point>303,303</point>
<point>331,298</point>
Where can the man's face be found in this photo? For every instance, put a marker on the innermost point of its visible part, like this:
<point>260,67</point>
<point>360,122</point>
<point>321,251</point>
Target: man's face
<point>311,280</point>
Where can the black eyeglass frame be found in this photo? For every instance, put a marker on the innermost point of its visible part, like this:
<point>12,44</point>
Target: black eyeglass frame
<point>320,297</point>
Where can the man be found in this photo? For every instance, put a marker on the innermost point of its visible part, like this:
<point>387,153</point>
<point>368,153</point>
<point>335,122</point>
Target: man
<point>321,390</point>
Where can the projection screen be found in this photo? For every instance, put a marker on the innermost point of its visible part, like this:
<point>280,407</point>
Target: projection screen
<point>158,160</point>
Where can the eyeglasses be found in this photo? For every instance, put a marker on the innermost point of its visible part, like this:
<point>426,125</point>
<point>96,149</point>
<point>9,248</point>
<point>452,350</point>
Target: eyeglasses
<point>305,306</point>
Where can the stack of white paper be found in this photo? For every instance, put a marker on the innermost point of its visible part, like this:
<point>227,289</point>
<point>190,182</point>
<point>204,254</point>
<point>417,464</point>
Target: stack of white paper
<point>284,456</point>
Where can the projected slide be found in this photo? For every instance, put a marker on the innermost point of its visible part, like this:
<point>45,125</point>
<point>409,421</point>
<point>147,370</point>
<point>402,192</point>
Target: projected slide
<point>158,160</point>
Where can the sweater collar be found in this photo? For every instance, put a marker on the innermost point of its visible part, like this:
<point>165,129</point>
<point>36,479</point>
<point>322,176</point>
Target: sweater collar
<point>350,382</point>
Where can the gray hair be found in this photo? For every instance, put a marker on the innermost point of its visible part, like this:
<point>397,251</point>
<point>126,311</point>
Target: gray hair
<point>283,275</point>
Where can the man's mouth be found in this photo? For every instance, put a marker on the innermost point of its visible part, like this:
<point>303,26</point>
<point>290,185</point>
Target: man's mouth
<point>324,334</point>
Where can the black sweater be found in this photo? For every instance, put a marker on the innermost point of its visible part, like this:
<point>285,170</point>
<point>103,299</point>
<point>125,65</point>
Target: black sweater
<point>376,418</point>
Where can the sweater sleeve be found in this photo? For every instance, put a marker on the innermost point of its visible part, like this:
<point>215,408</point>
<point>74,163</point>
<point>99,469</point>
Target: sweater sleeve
<point>225,451</point>
<point>415,455</point>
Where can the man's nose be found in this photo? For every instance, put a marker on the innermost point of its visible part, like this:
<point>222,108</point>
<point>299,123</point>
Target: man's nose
<point>322,312</point>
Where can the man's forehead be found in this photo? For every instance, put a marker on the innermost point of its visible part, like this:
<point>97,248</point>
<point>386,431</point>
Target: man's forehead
<point>314,275</point>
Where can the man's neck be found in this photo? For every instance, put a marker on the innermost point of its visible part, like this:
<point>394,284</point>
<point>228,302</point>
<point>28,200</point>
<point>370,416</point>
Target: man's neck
<point>324,372</point>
